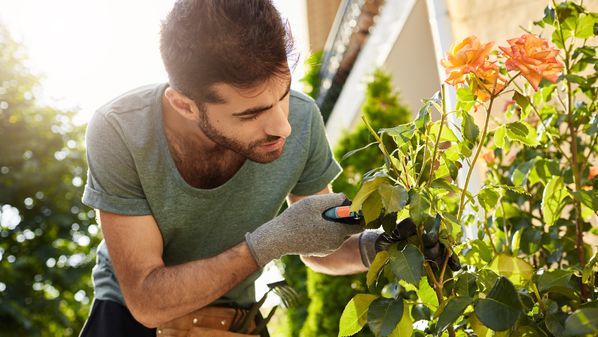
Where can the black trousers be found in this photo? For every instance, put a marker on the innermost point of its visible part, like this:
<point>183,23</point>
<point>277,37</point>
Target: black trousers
<point>112,319</point>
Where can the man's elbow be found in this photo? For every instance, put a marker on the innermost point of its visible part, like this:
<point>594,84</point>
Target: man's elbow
<point>146,315</point>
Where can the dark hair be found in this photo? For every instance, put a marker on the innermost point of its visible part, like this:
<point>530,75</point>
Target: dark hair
<point>237,42</point>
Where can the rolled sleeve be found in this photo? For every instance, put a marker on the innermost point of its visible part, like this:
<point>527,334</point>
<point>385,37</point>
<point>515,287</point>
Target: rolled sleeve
<point>113,183</point>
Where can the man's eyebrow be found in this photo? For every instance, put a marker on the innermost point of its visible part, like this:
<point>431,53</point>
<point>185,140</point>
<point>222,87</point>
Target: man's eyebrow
<point>258,109</point>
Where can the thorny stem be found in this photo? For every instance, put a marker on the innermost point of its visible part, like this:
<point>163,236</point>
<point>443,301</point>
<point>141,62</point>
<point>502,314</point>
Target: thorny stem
<point>442,118</point>
<point>574,162</point>
<point>475,158</point>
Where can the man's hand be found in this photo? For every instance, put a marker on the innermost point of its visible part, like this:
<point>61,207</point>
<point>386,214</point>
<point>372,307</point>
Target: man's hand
<point>434,251</point>
<point>301,230</point>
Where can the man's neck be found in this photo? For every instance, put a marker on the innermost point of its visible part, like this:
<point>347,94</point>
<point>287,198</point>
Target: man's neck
<point>200,161</point>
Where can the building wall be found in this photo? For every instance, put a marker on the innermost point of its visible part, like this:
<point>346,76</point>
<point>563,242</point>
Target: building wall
<point>411,61</point>
<point>320,16</point>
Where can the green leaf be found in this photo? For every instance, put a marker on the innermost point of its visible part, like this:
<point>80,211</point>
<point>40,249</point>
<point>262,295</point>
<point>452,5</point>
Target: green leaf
<point>465,99</point>
<point>372,207</point>
<point>379,261</point>
<point>402,134</point>
<point>354,316</point>
<point>407,264</point>
<point>482,331</point>
<point>466,285</point>
<point>384,314</point>
<point>585,26</point>
<point>427,294</point>
<point>543,170</point>
<point>554,279</point>
<point>552,200</point>
<point>368,187</point>
<point>350,153</point>
<point>589,199</point>
<point>499,136</point>
<point>517,270</point>
<point>454,308</point>
<point>419,206</point>
<point>501,308</point>
<point>470,129</point>
<point>394,198</point>
<point>405,327</point>
<point>521,172</point>
<point>521,132</point>
<point>582,322</point>
<point>488,197</point>
<point>588,273</point>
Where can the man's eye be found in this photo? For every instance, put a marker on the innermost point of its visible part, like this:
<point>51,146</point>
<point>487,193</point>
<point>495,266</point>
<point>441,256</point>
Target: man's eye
<point>250,118</point>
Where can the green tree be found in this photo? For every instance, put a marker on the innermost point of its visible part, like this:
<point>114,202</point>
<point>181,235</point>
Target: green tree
<point>46,234</point>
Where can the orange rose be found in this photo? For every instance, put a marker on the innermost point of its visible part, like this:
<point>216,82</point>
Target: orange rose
<point>488,156</point>
<point>593,172</point>
<point>534,58</point>
<point>465,57</point>
<point>488,81</point>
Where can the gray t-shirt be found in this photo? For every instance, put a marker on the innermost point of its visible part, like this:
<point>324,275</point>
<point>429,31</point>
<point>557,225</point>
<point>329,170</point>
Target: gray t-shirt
<point>131,172</point>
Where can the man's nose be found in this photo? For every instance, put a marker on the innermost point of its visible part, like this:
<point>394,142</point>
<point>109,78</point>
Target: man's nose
<point>278,124</point>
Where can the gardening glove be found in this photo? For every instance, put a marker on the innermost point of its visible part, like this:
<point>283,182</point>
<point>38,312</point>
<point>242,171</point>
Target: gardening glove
<point>372,242</point>
<point>435,252</point>
<point>301,230</point>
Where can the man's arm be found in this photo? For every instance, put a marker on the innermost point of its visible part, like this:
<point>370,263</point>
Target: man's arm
<point>344,261</point>
<point>156,294</point>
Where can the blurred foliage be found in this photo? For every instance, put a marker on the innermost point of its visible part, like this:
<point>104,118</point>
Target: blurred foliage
<point>382,110</point>
<point>46,234</point>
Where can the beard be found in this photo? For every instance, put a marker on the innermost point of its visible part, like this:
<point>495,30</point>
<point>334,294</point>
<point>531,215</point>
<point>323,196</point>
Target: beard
<point>250,151</point>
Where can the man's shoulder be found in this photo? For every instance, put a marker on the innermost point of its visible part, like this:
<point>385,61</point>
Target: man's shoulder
<point>133,100</point>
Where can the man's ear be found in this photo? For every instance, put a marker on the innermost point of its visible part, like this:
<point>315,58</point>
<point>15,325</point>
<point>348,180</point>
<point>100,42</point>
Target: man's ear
<point>182,104</point>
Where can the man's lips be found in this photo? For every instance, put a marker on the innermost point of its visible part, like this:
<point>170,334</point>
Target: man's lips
<point>273,145</point>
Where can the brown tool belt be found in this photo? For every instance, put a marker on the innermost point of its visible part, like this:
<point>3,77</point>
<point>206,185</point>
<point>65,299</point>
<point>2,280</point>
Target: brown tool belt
<point>207,322</point>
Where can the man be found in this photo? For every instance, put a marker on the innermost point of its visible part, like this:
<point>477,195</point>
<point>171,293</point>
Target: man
<point>188,178</point>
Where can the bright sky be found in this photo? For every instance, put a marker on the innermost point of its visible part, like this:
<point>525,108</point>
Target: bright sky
<point>92,51</point>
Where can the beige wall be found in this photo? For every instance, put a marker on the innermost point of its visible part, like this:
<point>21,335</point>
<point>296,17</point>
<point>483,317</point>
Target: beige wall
<point>320,16</point>
<point>411,62</point>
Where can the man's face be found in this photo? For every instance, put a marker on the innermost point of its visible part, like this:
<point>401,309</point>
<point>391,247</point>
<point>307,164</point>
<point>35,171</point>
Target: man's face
<point>252,122</point>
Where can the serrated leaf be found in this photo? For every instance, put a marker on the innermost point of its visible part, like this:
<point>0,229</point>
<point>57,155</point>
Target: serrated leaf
<point>488,198</point>
<point>407,264</point>
<point>466,285</point>
<point>501,308</point>
<point>384,314</point>
<point>354,317</point>
<point>584,28</point>
<point>453,309</point>
<point>374,271</point>
<point>470,129</point>
<point>402,134</point>
<point>553,198</point>
<point>394,198</point>
<point>515,269</point>
<point>521,132</point>
<point>582,322</point>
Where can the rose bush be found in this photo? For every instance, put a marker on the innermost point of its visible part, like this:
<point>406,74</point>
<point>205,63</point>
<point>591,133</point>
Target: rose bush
<point>526,269</point>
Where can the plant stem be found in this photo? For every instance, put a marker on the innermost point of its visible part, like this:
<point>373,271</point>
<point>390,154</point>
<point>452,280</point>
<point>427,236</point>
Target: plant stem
<point>442,118</point>
<point>574,164</point>
<point>487,230</point>
<point>475,158</point>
